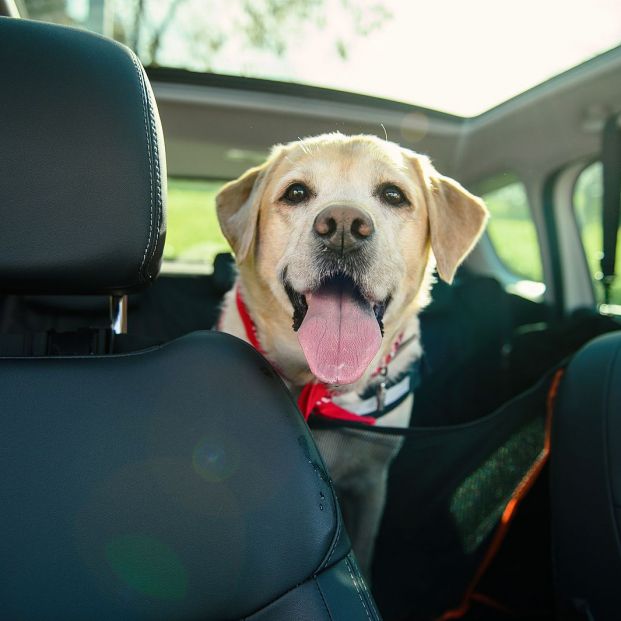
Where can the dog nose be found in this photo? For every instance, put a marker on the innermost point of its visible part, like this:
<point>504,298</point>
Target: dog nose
<point>343,228</point>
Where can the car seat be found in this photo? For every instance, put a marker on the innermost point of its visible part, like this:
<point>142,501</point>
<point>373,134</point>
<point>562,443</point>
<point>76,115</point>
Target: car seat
<point>173,482</point>
<point>586,484</point>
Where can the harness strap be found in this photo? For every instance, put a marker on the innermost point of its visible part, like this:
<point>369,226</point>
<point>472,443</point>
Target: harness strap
<point>316,399</point>
<point>392,397</point>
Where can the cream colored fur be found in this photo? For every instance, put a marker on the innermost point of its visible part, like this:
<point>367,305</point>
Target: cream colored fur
<point>438,228</point>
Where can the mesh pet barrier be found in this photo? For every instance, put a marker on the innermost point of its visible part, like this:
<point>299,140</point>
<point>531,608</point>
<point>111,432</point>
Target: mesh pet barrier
<point>450,489</point>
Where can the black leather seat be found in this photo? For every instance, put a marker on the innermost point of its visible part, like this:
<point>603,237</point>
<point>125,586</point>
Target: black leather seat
<point>176,482</point>
<point>586,484</point>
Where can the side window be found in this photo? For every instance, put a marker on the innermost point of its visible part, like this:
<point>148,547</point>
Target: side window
<point>587,201</point>
<point>193,234</point>
<point>511,227</point>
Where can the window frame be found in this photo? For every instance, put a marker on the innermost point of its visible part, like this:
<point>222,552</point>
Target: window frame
<point>594,159</point>
<point>576,287</point>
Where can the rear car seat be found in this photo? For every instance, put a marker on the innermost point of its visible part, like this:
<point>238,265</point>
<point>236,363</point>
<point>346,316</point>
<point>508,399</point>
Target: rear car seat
<point>176,482</point>
<point>586,484</point>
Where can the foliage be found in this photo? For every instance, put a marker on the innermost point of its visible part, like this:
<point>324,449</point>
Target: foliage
<point>193,33</point>
<point>204,29</point>
<point>515,242</point>
<point>513,232</point>
<point>193,231</point>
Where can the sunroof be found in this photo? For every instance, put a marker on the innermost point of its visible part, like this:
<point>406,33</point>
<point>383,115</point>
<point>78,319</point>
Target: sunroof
<point>449,55</point>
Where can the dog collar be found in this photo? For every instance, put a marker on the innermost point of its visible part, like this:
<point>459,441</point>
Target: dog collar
<point>316,398</point>
<point>249,325</point>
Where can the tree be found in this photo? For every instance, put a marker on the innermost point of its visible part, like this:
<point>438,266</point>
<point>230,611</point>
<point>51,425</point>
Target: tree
<point>264,25</point>
<point>192,33</point>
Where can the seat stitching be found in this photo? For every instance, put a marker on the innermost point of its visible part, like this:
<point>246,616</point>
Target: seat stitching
<point>357,588</point>
<point>158,179</point>
<point>280,597</point>
<point>146,130</point>
<point>323,599</point>
<point>336,540</point>
<point>363,582</point>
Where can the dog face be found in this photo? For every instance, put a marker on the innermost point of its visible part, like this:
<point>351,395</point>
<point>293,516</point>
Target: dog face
<point>342,230</point>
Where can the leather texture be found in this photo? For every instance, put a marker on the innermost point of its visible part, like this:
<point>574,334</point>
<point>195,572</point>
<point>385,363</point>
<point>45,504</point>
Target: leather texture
<point>329,595</point>
<point>178,482</point>
<point>175,482</point>
<point>82,165</point>
<point>586,483</point>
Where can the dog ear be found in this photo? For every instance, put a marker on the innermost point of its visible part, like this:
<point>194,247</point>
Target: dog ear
<point>237,206</point>
<point>457,218</point>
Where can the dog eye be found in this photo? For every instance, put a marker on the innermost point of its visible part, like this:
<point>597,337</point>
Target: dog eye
<point>296,193</point>
<point>392,195</point>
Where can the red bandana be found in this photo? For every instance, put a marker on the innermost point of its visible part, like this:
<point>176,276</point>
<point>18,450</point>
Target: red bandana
<point>315,397</point>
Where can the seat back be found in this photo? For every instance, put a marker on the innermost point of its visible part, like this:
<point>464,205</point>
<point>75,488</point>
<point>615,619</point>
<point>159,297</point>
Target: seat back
<point>586,483</point>
<point>174,482</point>
<point>149,486</point>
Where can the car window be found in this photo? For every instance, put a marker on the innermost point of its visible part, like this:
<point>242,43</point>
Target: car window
<point>587,201</point>
<point>511,228</point>
<point>193,234</point>
<point>342,40</point>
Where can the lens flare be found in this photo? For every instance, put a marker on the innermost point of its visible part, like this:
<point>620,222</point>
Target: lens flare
<point>414,126</point>
<point>215,459</point>
<point>148,566</point>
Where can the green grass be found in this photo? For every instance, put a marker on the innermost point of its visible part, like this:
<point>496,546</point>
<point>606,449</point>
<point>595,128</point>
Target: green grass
<point>515,242</point>
<point>512,230</point>
<point>193,231</point>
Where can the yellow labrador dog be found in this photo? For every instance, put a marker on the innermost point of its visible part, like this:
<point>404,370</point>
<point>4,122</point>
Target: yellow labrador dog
<point>336,238</point>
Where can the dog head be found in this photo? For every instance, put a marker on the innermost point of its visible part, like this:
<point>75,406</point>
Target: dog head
<point>344,231</point>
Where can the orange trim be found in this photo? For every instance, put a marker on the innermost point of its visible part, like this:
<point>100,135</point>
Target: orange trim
<point>490,603</point>
<point>509,512</point>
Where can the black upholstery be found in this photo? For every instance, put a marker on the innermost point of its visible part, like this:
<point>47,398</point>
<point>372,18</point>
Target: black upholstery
<point>586,484</point>
<point>149,486</point>
<point>175,482</point>
<point>82,172</point>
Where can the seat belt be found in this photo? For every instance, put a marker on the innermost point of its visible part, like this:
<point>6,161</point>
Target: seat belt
<point>611,201</point>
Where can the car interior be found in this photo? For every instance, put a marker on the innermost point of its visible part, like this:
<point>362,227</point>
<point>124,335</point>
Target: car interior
<point>153,468</point>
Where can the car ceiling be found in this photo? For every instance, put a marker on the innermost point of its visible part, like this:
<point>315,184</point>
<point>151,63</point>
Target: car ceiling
<point>217,131</point>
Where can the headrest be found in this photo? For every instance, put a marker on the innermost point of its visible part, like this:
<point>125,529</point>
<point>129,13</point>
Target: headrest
<point>82,164</point>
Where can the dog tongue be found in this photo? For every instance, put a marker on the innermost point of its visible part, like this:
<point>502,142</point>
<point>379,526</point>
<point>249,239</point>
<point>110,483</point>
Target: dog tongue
<point>340,334</point>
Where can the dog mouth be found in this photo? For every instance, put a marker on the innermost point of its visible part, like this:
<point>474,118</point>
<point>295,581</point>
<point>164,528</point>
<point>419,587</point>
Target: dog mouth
<point>339,328</point>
